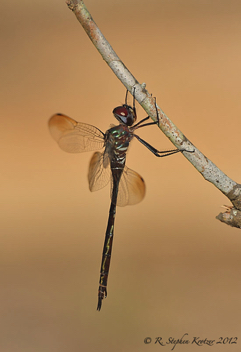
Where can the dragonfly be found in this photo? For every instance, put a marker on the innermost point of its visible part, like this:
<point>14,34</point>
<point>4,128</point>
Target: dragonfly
<point>127,186</point>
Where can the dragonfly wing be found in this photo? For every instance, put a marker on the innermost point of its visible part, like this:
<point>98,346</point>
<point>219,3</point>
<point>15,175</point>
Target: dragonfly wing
<point>73,136</point>
<point>99,171</point>
<point>132,188</point>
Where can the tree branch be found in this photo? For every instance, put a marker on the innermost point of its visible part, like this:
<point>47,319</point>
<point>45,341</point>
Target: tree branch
<point>207,169</point>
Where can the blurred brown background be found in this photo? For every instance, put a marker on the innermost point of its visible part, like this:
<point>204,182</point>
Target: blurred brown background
<point>175,269</point>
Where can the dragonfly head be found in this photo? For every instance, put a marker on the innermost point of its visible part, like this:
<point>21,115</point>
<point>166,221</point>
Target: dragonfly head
<point>125,114</point>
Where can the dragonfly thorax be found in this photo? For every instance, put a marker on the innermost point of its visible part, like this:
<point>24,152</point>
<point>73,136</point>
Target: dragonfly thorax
<point>125,114</point>
<point>117,141</point>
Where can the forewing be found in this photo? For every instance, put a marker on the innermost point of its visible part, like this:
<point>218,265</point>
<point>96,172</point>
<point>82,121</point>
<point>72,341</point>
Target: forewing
<point>73,136</point>
<point>132,188</point>
<point>99,171</point>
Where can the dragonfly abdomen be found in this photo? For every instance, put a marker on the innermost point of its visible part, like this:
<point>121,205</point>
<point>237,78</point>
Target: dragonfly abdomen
<point>106,256</point>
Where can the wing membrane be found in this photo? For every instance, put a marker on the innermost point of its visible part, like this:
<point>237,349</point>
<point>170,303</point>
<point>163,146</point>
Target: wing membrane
<point>73,136</point>
<point>99,171</point>
<point>132,188</point>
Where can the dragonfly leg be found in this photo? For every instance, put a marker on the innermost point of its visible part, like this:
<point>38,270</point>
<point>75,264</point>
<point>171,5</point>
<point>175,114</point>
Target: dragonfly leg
<point>138,125</point>
<point>158,152</point>
<point>150,147</point>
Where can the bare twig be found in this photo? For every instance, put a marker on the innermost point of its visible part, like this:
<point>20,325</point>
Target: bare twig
<point>205,166</point>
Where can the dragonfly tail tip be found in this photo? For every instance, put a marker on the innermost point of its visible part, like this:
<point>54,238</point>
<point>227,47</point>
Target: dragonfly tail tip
<point>99,304</point>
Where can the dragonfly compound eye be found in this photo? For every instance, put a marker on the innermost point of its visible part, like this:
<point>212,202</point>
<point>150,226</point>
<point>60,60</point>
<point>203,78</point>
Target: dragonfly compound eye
<point>125,114</point>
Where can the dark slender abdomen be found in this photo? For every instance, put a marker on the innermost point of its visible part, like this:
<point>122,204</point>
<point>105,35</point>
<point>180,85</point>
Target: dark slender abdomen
<point>105,263</point>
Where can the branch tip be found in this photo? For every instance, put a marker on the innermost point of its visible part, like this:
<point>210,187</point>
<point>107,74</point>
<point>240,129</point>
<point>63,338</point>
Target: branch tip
<point>231,217</point>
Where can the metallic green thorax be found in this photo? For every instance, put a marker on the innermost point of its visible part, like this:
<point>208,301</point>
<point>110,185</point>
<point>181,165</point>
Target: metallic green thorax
<point>117,142</point>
